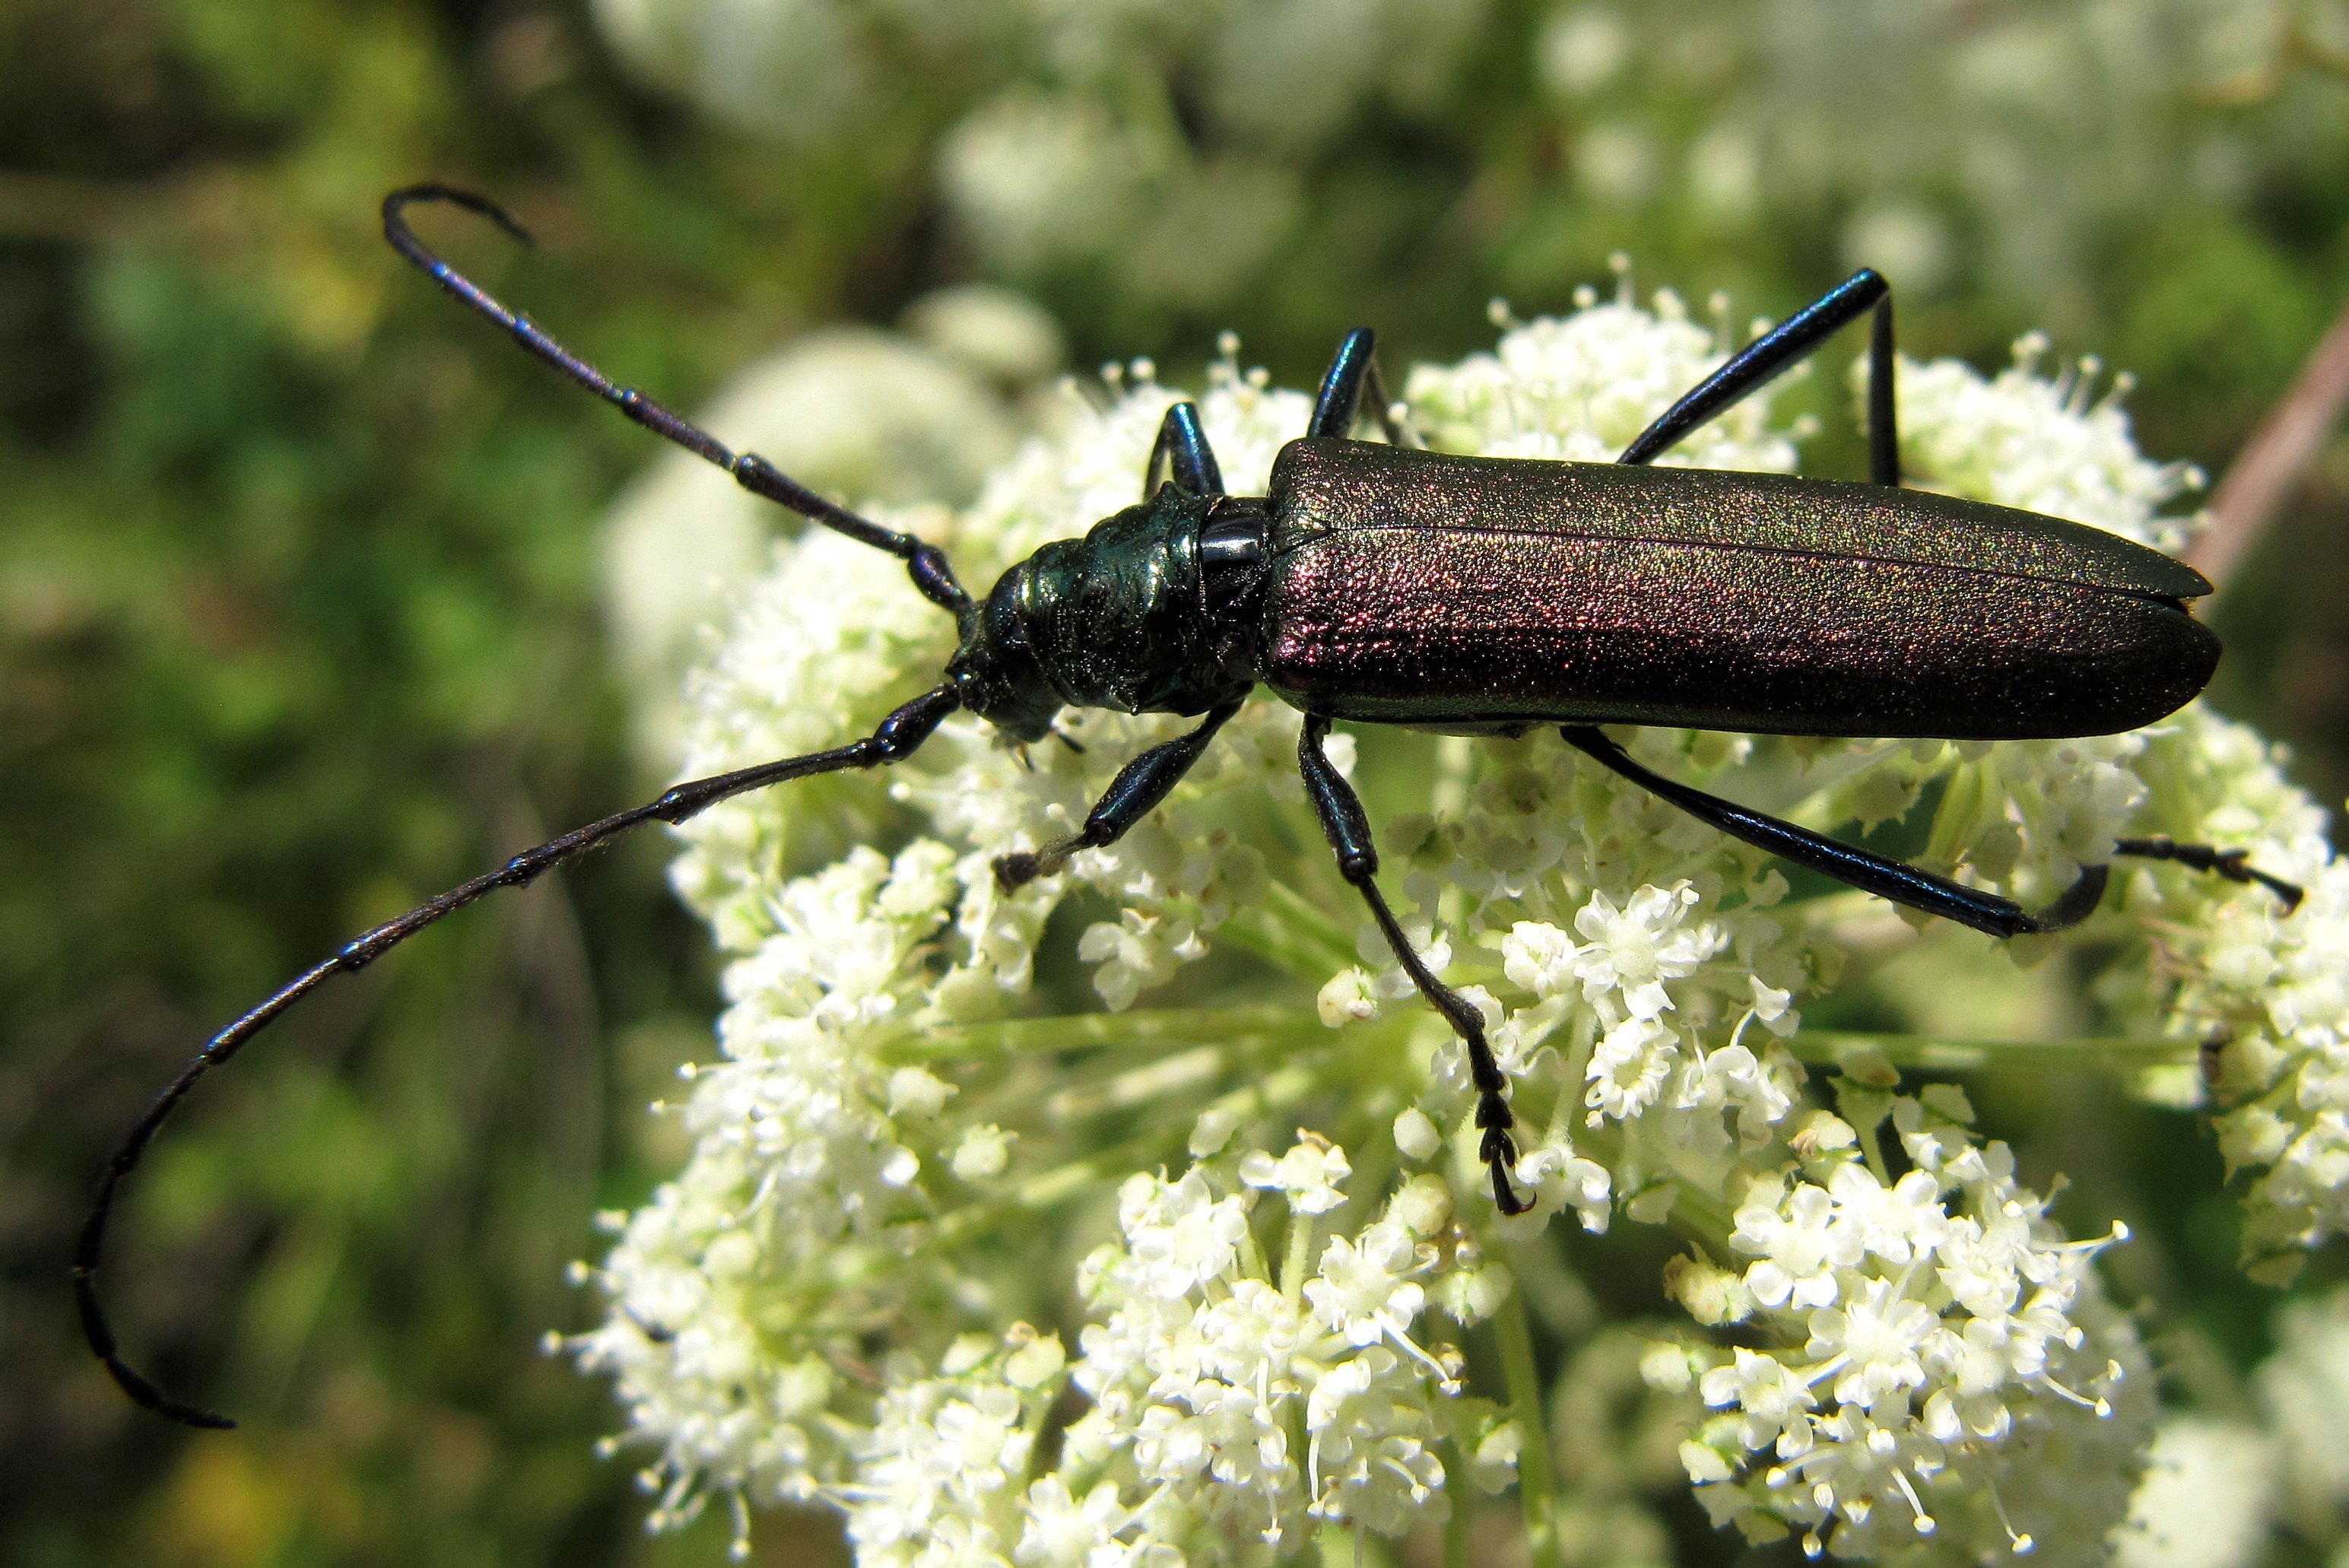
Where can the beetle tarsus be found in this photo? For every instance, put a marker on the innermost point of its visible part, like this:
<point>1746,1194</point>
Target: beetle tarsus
<point>2235,865</point>
<point>1498,1151</point>
<point>1507,1198</point>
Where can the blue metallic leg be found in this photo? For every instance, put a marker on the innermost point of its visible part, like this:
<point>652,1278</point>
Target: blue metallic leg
<point>1349,832</point>
<point>1133,795</point>
<point>1889,879</point>
<point>1354,371</point>
<point>1779,350</point>
<point>1181,454</point>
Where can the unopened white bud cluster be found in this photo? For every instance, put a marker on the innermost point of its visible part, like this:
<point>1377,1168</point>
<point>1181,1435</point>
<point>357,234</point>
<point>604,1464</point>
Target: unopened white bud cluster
<point>919,1127</point>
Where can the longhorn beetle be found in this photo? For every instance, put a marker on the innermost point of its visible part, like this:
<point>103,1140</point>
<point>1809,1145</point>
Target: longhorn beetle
<point>1383,584</point>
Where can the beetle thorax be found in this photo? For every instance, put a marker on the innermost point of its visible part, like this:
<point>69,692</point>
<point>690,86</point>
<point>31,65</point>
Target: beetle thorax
<point>1120,618</point>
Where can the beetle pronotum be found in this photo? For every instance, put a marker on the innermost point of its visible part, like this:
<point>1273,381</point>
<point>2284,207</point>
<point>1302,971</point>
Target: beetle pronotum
<point>1383,584</point>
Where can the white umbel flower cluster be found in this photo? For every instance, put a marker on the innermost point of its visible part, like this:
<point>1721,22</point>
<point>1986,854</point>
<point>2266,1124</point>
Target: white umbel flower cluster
<point>932,1099</point>
<point>2270,992</point>
<point>1203,1370</point>
<point>1918,1333</point>
<point>2270,1474</point>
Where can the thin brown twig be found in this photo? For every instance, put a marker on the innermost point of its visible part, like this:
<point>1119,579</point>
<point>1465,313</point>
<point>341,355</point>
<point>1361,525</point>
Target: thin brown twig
<point>2286,442</point>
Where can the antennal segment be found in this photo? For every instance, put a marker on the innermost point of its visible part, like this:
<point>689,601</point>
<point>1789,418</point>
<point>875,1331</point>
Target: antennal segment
<point>927,562</point>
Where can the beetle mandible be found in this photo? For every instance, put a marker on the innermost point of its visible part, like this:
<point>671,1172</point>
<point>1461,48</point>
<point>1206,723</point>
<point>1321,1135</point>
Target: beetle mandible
<point>1384,584</point>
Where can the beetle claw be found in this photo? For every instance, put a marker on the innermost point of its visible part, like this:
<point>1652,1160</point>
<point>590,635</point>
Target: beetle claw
<point>1499,1152</point>
<point>1505,1196</point>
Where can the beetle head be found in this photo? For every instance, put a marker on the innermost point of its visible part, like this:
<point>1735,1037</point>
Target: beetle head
<point>996,671</point>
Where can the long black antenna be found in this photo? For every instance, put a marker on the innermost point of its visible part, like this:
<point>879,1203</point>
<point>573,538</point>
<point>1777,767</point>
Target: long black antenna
<point>895,739</point>
<point>927,562</point>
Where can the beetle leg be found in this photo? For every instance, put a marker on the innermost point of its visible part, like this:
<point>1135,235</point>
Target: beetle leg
<point>1778,351</point>
<point>1182,454</point>
<point>1883,412</point>
<point>1848,864</point>
<point>896,737</point>
<point>1354,372</point>
<point>1349,832</point>
<point>1133,795</point>
<point>2232,864</point>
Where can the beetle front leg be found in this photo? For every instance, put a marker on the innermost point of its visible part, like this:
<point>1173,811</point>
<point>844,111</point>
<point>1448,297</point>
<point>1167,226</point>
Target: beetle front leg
<point>1854,867</point>
<point>1349,832</point>
<point>1354,371</point>
<point>1182,454</point>
<point>1133,795</point>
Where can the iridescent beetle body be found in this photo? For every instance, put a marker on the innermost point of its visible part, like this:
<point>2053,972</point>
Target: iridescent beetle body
<point>1382,583</point>
<point>1388,585</point>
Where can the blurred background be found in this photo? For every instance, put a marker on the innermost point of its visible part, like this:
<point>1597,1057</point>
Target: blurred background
<point>303,612</point>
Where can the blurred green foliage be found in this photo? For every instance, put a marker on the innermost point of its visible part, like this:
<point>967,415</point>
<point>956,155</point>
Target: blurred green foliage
<point>297,619</point>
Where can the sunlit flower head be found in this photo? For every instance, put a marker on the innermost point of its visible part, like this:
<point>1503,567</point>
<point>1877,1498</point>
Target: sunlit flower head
<point>1179,1104</point>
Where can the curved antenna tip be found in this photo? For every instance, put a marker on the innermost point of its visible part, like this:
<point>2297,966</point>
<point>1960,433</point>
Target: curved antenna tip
<point>144,1393</point>
<point>394,204</point>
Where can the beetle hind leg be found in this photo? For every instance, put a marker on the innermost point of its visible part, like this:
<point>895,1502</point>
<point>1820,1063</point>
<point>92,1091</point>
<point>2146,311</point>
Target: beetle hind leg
<point>1779,350</point>
<point>1903,884</point>
<point>1349,832</point>
<point>1353,374</point>
<point>2234,865</point>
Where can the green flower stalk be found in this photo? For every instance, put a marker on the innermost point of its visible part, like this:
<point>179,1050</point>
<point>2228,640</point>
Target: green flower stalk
<point>1252,1207</point>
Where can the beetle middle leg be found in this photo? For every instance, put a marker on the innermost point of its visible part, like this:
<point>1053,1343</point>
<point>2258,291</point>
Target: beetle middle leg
<point>1133,795</point>
<point>1349,832</point>
<point>1354,372</point>
<point>1779,350</point>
